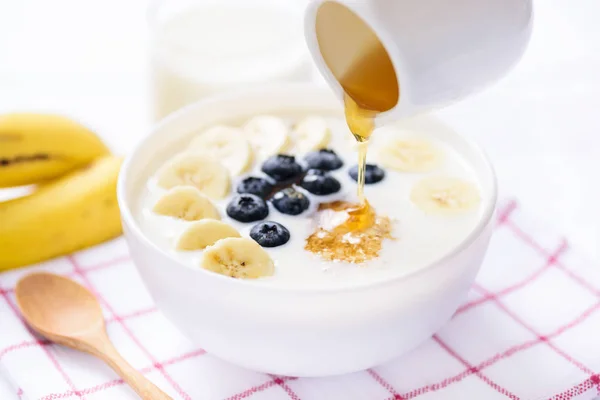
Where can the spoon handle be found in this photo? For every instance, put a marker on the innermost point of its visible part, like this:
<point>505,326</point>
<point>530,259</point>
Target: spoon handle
<point>104,350</point>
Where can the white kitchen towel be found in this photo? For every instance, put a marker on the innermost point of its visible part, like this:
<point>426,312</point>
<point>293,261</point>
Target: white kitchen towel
<point>529,330</point>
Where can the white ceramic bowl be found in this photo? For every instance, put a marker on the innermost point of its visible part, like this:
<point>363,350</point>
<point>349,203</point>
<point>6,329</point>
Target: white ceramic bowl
<point>297,332</point>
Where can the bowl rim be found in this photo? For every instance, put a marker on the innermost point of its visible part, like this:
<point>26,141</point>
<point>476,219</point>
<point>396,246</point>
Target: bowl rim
<point>269,90</point>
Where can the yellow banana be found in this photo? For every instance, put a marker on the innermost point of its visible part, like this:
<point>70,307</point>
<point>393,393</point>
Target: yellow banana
<point>73,212</point>
<point>38,147</point>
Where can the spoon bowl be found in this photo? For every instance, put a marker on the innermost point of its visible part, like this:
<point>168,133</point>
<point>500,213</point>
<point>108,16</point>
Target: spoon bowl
<point>39,296</point>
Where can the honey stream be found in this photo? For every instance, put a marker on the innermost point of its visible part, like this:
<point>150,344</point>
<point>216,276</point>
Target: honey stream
<point>359,238</point>
<point>363,67</point>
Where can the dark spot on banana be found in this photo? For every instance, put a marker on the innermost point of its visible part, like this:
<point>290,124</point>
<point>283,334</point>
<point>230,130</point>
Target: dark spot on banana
<point>4,162</point>
<point>11,137</point>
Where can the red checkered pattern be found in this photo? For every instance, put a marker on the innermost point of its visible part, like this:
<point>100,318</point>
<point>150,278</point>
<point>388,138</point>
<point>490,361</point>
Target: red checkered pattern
<point>530,329</point>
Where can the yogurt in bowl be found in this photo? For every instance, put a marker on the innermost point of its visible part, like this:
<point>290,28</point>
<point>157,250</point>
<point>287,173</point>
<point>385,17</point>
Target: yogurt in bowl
<point>307,310</point>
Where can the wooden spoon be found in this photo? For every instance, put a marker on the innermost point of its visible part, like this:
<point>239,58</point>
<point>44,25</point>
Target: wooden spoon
<point>67,313</point>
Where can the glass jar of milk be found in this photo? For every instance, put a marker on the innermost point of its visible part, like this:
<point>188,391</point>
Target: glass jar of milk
<point>200,47</point>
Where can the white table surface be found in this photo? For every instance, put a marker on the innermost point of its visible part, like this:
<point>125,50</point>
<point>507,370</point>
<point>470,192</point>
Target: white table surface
<point>540,125</point>
<point>6,390</point>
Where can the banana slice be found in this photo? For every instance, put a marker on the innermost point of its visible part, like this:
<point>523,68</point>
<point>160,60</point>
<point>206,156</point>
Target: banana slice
<point>187,203</point>
<point>227,145</point>
<point>267,135</point>
<point>409,155</point>
<point>238,258</point>
<point>202,234</point>
<point>445,195</point>
<point>312,133</point>
<point>190,169</point>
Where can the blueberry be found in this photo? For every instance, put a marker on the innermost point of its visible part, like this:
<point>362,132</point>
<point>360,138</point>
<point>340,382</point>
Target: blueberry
<point>325,159</point>
<point>256,186</point>
<point>373,174</point>
<point>270,234</point>
<point>319,182</point>
<point>289,201</point>
<point>281,167</point>
<point>247,208</point>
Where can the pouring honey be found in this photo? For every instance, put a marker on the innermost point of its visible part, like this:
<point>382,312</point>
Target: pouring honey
<point>362,66</point>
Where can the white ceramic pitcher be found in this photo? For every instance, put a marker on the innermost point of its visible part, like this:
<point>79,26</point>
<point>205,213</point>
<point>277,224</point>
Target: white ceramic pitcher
<point>440,50</point>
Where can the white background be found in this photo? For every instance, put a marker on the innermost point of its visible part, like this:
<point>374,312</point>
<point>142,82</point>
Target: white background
<point>541,125</point>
